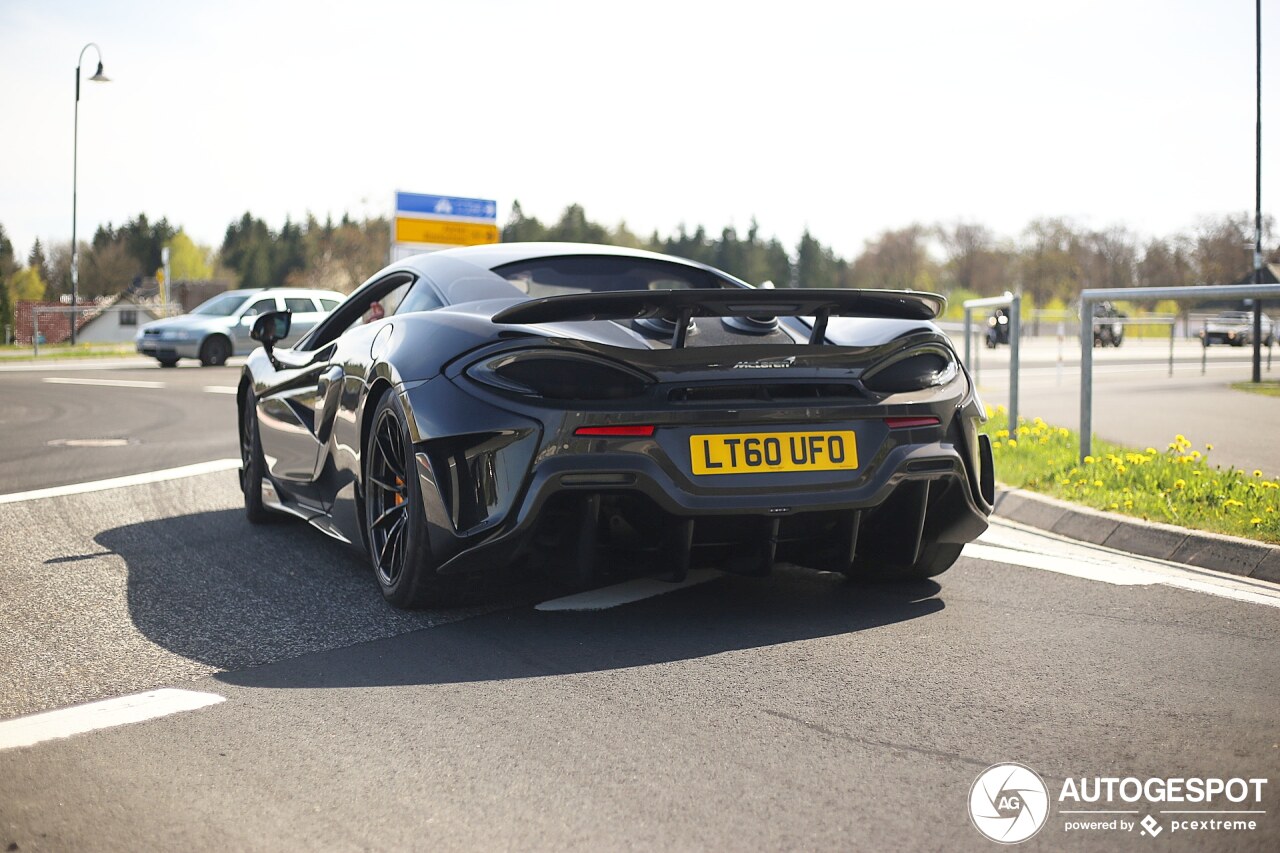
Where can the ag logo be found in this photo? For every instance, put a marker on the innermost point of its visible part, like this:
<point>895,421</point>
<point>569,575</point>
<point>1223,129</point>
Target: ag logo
<point>1008,803</point>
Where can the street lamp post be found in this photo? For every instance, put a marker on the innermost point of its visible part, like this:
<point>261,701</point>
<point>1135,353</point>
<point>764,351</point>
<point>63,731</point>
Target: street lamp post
<point>98,77</point>
<point>1257,210</point>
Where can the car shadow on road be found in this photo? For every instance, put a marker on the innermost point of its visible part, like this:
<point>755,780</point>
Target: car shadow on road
<point>282,606</point>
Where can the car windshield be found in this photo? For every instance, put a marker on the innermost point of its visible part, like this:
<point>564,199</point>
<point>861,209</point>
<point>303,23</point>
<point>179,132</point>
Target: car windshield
<point>223,305</point>
<point>602,274</point>
<point>1235,315</point>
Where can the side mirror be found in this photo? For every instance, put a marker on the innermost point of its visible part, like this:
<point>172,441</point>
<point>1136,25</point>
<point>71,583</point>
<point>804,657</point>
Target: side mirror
<point>271,327</point>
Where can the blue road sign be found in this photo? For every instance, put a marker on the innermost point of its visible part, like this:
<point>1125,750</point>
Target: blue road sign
<point>444,205</point>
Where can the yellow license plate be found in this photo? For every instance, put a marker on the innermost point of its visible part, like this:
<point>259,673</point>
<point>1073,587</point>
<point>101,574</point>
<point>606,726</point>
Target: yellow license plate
<point>770,452</point>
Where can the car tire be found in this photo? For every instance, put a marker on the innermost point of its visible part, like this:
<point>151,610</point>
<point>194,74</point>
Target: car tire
<point>215,351</point>
<point>395,521</point>
<point>934,559</point>
<point>253,466</point>
<point>168,362</point>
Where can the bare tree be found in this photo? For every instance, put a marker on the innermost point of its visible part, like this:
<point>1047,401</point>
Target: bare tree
<point>896,259</point>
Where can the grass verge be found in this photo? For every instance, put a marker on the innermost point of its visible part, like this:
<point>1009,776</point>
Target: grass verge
<point>12,352</point>
<point>1177,485</point>
<point>1267,388</point>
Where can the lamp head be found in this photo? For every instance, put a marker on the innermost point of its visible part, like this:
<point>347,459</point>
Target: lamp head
<point>99,77</point>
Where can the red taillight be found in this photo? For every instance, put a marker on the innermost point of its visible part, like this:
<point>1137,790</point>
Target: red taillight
<point>616,431</point>
<point>907,423</point>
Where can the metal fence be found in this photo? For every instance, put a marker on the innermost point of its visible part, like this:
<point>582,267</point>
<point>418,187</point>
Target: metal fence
<point>1012,301</point>
<point>1195,293</point>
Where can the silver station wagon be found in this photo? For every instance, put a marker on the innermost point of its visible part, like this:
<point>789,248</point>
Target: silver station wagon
<point>219,328</point>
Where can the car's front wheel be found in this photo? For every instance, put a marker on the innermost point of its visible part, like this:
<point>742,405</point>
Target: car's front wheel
<point>253,466</point>
<point>215,351</point>
<point>395,522</point>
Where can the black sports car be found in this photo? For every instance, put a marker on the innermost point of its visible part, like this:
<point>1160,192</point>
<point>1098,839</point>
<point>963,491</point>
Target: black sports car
<point>560,404</point>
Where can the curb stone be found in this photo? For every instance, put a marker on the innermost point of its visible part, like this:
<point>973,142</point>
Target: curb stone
<point>1215,551</point>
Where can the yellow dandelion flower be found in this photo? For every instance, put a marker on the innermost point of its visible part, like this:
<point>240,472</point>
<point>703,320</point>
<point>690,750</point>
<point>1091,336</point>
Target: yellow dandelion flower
<point>1013,442</point>
<point>1088,460</point>
<point>1179,483</point>
<point>1208,447</point>
<point>1257,473</point>
<point>1097,484</point>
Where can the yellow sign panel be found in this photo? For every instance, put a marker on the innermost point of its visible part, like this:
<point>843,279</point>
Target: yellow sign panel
<point>444,232</point>
<point>768,452</point>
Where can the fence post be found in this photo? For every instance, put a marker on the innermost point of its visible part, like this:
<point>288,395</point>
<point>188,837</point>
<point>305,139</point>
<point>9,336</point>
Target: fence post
<point>1062,333</point>
<point>968,334</point>
<point>35,332</point>
<point>1086,378</point>
<point>1173,324</point>
<point>1015,332</point>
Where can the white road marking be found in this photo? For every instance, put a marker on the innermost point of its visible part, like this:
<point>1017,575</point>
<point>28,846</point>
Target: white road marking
<point>109,713</point>
<point>76,364</point>
<point>221,389</point>
<point>1087,569</point>
<point>626,593</point>
<point>1017,545</point>
<point>110,383</point>
<point>121,482</point>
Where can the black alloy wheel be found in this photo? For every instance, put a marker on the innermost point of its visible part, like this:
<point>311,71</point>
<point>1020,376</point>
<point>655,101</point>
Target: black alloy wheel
<point>215,351</point>
<point>395,521</point>
<point>253,466</point>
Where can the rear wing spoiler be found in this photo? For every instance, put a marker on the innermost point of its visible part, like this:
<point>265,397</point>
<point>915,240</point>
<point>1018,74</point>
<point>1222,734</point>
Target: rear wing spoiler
<point>682,305</point>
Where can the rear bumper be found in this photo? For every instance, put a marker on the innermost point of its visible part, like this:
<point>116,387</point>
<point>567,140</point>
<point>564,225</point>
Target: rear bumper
<point>495,474</point>
<point>933,473</point>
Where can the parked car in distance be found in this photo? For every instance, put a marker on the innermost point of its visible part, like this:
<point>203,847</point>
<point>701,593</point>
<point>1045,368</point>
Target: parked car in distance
<point>998,328</point>
<point>219,328</point>
<point>1107,333</point>
<point>1234,328</point>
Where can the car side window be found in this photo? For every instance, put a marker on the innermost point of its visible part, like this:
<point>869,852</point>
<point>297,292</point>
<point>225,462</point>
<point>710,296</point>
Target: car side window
<point>328,304</point>
<point>370,303</point>
<point>262,306</point>
<point>421,297</point>
<point>299,305</point>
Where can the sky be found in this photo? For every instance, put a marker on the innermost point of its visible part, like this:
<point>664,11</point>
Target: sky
<point>845,118</point>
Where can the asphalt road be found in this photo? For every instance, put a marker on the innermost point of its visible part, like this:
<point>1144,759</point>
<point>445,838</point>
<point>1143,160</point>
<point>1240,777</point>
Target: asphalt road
<point>798,711</point>
<point>76,421</point>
